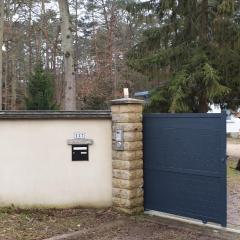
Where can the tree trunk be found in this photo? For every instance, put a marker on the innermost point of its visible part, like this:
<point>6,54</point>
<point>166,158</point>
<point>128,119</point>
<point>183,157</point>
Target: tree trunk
<point>109,14</point>
<point>77,57</point>
<point>44,26</point>
<point>203,104</point>
<point>111,29</point>
<point>67,48</point>
<point>6,76</point>
<point>30,59</point>
<point>1,44</point>
<point>13,83</point>
<point>11,55</point>
<point>204,21</point>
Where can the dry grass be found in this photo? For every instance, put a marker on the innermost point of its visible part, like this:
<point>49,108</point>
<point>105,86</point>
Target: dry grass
<point>18,224</point>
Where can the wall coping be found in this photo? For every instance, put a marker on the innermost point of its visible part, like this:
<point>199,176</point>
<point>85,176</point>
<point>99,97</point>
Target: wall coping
<point>127,101</point>
<point>55,114</point>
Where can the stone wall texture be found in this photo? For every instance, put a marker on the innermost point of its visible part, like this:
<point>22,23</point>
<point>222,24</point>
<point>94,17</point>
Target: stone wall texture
<point>128,162</point>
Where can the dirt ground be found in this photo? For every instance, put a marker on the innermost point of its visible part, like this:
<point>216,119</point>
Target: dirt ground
<point>233,151</point>
<point>233,147</point>
<point>98,225</point>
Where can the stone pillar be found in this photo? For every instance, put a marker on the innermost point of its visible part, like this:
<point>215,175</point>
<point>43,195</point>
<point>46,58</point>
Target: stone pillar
<point>127,155</point>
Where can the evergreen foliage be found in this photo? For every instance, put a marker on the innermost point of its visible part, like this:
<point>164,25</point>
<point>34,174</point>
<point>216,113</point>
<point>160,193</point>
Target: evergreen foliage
<point>198,42</point>
<point>40,90</point>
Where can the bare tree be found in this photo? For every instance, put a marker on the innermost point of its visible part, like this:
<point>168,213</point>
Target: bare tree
<point>85,56</point>
<point>67,48</point>
<point>1,44</point>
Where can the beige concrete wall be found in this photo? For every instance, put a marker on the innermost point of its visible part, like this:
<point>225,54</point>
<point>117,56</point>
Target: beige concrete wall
<point>36,168</point>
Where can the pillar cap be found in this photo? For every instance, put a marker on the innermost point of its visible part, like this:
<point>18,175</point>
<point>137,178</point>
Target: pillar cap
<point>122,101</point>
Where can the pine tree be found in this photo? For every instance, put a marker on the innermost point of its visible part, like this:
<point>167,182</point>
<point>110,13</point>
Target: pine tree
<point>198,42</point>
<point>40,91</point>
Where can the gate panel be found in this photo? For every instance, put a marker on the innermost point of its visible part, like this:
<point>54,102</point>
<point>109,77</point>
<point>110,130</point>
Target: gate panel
<point>185,165</point>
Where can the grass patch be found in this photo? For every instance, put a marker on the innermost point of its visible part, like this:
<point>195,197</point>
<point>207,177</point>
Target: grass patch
<point>231,168</point>
<point>19,224</point>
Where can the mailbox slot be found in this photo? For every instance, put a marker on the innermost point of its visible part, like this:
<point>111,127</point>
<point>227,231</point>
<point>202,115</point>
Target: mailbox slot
<point>80,153</point>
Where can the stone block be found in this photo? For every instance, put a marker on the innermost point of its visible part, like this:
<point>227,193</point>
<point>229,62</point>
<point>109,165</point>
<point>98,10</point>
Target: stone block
<point>133,136</point>
<point>128,174</point>
<point>127,117</point>
<point>128,203</point>
<point>130,211</point>
<point>127,165</point>
<point>128,127</point>
<point>127,155</point>
<point>127,194</point>
<point>133,146</point>
<point>127,184</point>
<point>128,108</point>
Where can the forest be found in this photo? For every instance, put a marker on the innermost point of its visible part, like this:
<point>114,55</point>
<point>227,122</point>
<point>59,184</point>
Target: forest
<point>80,54</point>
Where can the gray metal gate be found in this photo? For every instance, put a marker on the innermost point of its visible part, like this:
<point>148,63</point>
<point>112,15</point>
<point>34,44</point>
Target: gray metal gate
<point>185,165</point>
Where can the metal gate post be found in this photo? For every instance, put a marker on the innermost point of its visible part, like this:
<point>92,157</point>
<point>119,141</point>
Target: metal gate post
<point>127,155</point>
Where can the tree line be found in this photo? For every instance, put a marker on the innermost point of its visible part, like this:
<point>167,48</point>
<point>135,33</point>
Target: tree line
<point>79,54</point>
<point>81,44</point>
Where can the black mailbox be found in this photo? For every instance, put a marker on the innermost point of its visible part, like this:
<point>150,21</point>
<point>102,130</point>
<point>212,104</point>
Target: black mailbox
<point>79,152</point>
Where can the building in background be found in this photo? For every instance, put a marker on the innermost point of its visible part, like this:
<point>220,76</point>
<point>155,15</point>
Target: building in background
<point>233,120</point>
<point>142,95</point>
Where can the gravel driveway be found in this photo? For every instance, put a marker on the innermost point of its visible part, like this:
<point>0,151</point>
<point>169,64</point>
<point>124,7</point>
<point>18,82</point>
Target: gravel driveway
<point>233,183</point>
<point>233,148</point>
